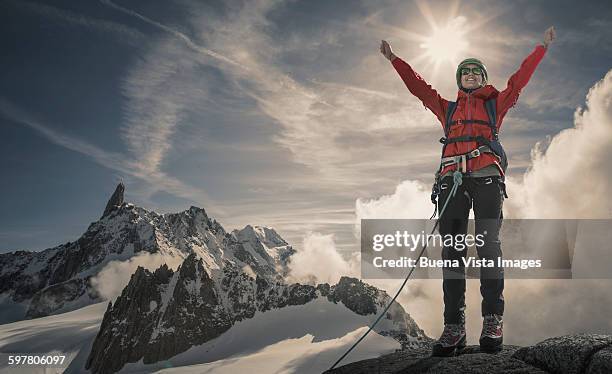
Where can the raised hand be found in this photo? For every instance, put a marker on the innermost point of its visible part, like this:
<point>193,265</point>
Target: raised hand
<point>549,36</point>
<point>385,49</point>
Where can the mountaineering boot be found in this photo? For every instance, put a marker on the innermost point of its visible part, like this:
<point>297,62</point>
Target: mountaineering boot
<point>492,336</point>
<point>452,340</point>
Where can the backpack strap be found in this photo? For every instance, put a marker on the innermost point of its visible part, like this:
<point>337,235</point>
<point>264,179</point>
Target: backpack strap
<point>452,105</point>
<point>479,121</point>
<point>465,138</point>
<point>491,107</point>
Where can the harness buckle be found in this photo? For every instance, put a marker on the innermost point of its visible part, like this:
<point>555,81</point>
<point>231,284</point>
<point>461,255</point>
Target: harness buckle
<point>475,153</point>
<point>463,164</point>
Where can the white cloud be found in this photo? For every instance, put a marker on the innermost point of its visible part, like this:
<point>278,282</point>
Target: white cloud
<point>113,278</point>
<point>320,262</point>
<point>158,95</point>
<point>172,31</point>
<point>411,199</point>
<point>161,89</point>
<point>571,179</point>
<point>315,117</point>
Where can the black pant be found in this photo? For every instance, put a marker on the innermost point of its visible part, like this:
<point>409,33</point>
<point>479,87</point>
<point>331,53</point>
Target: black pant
<point>486,195</point>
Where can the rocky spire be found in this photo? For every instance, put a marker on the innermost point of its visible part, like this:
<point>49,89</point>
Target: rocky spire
<point>115,200</point>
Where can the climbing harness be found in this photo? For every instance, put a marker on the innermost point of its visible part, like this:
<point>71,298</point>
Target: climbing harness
<point>457,181</point>
<point>462,159</point>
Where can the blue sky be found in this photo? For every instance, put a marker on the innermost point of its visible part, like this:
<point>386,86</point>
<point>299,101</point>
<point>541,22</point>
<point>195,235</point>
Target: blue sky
<point>263,112</point>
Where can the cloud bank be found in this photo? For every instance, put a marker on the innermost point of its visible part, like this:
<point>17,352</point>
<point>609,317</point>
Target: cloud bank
<point>320,262</point>
<point>571,178</point>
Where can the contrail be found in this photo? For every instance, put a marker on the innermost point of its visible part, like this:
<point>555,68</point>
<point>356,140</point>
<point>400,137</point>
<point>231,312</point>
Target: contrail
<point>170,30</point>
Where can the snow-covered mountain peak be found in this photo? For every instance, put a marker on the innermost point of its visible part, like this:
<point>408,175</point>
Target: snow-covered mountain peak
<point>59,279</point>
<point>266,243</point>
<point>266,235</point>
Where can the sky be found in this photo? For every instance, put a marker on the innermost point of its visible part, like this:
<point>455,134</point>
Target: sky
<point>274,113</point>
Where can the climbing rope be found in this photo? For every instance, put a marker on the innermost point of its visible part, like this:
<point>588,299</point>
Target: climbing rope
<point>457,181</point>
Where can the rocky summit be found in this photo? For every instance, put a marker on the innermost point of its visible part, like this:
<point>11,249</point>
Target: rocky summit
<point>116,199</point>
<point>571,354</point>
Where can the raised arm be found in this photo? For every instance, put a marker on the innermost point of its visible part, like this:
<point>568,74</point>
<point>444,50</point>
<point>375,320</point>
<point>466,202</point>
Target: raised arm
<point>416,85</point>
<point>509,96</point>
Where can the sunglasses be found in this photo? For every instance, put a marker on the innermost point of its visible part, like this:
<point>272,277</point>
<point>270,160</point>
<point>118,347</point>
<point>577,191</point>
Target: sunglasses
<point>476,71</point>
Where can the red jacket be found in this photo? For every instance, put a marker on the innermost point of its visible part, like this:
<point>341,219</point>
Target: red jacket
<point>471,106</point>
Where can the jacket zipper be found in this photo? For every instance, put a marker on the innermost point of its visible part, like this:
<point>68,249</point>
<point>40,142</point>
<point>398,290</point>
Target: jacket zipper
<point>469,107</point>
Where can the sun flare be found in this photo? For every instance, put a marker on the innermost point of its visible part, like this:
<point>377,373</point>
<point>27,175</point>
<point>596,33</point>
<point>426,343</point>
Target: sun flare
<point>447,43</point>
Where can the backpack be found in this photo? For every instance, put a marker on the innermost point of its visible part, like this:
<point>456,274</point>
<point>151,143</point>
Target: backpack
<point>494,144</point>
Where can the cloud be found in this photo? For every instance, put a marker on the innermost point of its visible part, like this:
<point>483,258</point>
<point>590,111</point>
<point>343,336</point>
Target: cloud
<point>334,122</point>
<point>157,98</point>
<point>189,42</point>
<point>320,262</point>
<point>162,89</point>
<point>571,179</point>
<point>411,199</point>
<point>332,128</point>
<point>113,278</point>
<point>316,118</point>
<point>159,91</point>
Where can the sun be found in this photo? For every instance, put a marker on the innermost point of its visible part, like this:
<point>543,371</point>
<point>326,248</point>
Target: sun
<point>447,43</point>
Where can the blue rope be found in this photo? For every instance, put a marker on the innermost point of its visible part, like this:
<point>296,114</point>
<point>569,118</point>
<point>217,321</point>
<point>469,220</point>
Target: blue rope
<point>457,181</point>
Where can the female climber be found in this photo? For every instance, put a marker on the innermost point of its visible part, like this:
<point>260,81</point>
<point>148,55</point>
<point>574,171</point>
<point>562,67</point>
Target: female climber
<point>471,146</point>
